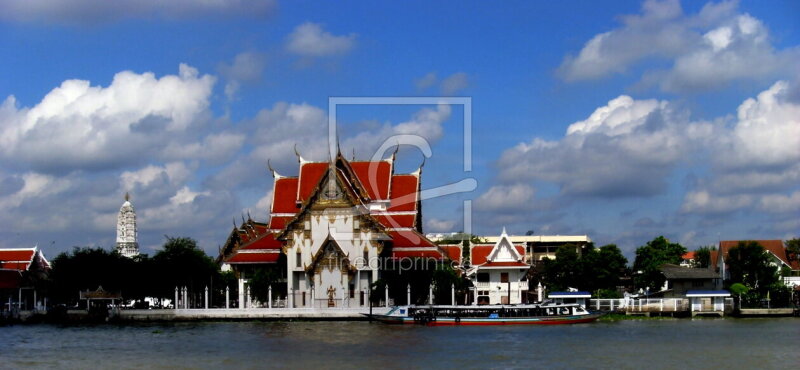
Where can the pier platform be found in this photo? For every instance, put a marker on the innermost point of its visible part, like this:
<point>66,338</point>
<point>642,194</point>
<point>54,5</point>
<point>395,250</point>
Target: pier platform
<point>766,312</point>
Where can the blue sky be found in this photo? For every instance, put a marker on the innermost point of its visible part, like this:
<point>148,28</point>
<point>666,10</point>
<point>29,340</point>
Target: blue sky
<point>622,120</point>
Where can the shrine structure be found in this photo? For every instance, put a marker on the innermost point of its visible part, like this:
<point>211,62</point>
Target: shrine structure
<point>127,233</point>
<point>331,231</point>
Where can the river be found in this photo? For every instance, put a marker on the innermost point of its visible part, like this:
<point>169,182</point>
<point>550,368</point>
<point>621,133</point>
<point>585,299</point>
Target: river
<point>650,344</point>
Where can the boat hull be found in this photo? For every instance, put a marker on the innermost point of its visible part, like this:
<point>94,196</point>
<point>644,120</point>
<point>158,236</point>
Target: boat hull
<point>473,321</point>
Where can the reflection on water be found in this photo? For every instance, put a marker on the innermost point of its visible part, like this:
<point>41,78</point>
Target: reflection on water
<point>701,343</point>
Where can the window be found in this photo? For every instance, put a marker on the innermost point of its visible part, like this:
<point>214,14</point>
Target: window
<point>307,225</point>
<point>298,259</point>
<point>483,277</point>
<point>356,224</point>
<point>366,258</point>
<point>503,277</point>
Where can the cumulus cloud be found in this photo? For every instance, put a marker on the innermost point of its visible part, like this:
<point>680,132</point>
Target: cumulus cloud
<point>79,126</point>
<point>506,198</point>
<point>756,162</point>
<point>246,68</point>
<point>625,148</point>
<point>448,86</point>
<point>436,225</point>
<point>707,50</point>
<point>310,40</point>
<point>93,11</point>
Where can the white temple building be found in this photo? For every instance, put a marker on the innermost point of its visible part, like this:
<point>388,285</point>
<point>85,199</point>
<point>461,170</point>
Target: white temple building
<point>499,272</point>
<point>127,244</point>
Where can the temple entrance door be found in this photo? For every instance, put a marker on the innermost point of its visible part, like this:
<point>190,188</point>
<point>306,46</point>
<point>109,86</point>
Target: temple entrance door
<point>331,276</point>
<point>331,285</point>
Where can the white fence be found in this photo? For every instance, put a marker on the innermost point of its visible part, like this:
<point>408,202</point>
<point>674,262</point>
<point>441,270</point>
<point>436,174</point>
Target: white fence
<point>658,305</point>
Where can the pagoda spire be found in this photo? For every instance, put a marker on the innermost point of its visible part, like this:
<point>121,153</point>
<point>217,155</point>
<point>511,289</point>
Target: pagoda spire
<point>127,196</point>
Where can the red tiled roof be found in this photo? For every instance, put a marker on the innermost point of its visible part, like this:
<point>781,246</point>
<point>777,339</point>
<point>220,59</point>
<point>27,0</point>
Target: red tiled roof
<point>284,195</point>
<point>409,239</point>
<point>18,259</point>
<point>310,174</point>
<point>395,221</point>
<point>278,223</point>
<point>266,241</point>
<point>688,256</point>
<point>259,257</point>
<point>374,177</point>
<point>506,264</point>
<point>427,253</point>
<point>453,251</point>
<point>404,193</point>
<point>480,252</point>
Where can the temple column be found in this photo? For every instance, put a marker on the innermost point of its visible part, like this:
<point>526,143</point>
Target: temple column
<point>290,299</point>
<point>452,294</point>
<point>430,294</point>
<point>241,291</point>
<point>269,296</point>
<point>205,299</point>
<point>408,295</point>
<point>249,297</point>
<point>227,297</point>
<point>386,295</point>
<point>175,303</point>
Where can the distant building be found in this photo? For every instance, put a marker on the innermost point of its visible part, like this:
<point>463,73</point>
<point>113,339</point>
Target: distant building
<point>537,247</point>
<point>777,253</point>
<point>688,259</point>
<point>14,262</point>
<point>499,272</point>
<point>127,234</point>
<point>680,280</point>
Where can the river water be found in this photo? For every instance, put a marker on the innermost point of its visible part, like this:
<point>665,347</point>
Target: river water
<point>650,344</point>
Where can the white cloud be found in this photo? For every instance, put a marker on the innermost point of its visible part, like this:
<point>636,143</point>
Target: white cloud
<point>426,81</point>
<point>93,11</point>
<point>756,162</point>
<point>780,203</point>
<point>437,225</point>
<point>310,40</point>
<point>455,83</point>
<point>626,148</point>
<point>448,86</point>
<point>247,67</point>
<point>506,198</point>
<point>707,50</point>
<point>79,126</point>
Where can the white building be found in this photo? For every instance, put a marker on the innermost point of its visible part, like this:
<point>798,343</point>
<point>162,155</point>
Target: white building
<point>537,247</point>
<point>499,272</point>
<point>127,234</point>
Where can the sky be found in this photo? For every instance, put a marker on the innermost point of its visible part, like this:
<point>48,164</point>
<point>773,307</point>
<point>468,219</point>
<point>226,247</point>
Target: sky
<point>620,120</point>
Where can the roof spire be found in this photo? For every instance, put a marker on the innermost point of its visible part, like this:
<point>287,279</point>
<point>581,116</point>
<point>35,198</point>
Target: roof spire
<point>234,222</point>
<point>127,196</point>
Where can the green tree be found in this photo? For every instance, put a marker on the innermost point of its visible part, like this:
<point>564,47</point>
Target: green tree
<point>262,278</point>
<point>749,265</point>
<point>649,259</point>
<point>702,257</point>
<point>181,263</point>
<point>565,271</point>
<point>793,249</point>
<point>595,270</point>
<point>88,268</point>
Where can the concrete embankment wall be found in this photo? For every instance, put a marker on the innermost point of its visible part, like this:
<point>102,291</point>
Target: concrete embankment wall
<point>246,314</point>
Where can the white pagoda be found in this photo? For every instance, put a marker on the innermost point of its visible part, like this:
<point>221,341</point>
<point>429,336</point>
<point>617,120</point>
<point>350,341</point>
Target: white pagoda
<point>127,245</point>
